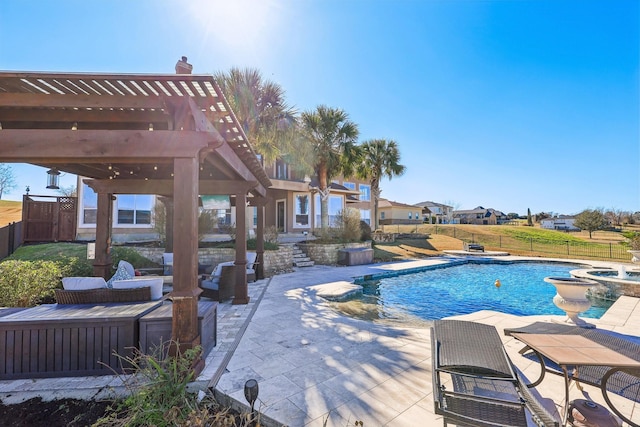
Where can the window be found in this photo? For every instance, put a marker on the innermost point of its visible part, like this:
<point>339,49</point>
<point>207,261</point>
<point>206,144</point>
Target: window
<point>134,209</point>
<point>89,205</point>
<point>223,216</point>
<point>349,185</point>
<point>301,202</point>
<point>410,215</point>
<point>381,215</point>
<point>365,193</point>
<point>282,169</point>
<point>365,215</point>
<point>334,205</point>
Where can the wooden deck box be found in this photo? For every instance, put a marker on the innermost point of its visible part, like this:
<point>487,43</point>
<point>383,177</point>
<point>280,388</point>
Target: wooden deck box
<point>155,327</point>
<point>355,256</point>
<point>55,340</point>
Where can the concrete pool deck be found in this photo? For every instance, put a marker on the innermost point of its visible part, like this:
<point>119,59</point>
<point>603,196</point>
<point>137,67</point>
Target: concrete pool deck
<point>314,365</point>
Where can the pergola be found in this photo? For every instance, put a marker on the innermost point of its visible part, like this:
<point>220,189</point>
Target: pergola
<point>172,135</point>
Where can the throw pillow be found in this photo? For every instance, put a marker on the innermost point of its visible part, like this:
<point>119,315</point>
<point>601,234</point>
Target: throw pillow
<point>121,274</point>
<point>155,283</point>
<point>83,283</point>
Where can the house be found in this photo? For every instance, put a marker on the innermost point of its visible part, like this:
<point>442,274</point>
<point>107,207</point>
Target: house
<point>480,216</point>
<point>436,213</point>
<point>562,222</point>
<point>391,212</point>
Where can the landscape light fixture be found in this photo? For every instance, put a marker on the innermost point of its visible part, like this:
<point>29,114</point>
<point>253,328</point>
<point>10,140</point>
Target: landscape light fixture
<point>251,392</point>
<point>53,175</point>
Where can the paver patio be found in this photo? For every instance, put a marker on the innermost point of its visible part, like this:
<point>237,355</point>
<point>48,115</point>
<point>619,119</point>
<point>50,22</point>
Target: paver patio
<point>314,365</point>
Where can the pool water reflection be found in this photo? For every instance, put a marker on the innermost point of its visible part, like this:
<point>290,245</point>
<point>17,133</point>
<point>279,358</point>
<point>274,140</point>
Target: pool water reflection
<point>462,289</point>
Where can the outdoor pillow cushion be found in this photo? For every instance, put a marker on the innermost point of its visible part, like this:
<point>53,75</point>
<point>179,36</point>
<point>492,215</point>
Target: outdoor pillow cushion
<point>155,283</point>
<point>127,265</point>
<point>122,273</point>
<point>83,283</point>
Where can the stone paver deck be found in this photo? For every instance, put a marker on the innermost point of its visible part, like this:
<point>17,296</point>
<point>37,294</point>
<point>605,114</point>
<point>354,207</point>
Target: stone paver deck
<point>317,367</point>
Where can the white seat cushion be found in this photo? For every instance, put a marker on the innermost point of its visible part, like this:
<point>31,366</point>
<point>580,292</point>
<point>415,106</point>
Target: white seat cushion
<point>127,266</point>
<point>83,283</point>
<point>155,283</point>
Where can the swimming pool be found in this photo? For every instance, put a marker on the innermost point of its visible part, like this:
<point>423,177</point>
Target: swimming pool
<point>461,289</point>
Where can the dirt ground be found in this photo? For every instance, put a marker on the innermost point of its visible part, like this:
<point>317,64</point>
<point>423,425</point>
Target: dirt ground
<point>64,412</point>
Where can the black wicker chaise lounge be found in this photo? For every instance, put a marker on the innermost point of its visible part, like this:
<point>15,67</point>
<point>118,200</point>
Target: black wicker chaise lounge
<point>486,388</point>
<point>622,381</point>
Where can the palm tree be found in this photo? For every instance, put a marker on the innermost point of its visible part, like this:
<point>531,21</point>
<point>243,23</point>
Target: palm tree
<point>260,107</point>
<point>379,158</point>
<point>332,137</point>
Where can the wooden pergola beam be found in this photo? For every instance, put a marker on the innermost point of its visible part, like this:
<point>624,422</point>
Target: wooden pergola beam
<point>165,187</point>
<point>87,146</point>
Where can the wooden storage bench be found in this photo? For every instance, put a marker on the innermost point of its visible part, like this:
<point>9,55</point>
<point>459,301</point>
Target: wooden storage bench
<point>55,340</point>
<point>155,327</point>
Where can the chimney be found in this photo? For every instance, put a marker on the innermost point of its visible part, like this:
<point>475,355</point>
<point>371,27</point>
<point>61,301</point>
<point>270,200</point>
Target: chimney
<point>183,67</point>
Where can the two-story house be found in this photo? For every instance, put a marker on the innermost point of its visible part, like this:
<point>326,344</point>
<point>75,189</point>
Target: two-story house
<point>436,213</point>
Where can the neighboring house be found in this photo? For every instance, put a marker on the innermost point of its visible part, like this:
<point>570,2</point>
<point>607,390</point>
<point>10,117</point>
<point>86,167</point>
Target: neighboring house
<point>480,216</point>
<point>564,223</point>
<point>293,206</point>
<point>398,213</point>
<point>436,213</point>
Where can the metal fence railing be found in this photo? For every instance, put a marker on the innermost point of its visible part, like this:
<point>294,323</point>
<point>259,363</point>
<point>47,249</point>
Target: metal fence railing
<point>531,245</point>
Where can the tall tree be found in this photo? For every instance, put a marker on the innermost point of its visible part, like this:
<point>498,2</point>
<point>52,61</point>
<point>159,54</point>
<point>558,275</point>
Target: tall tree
<point>379,158</point>
<point>591,220</point>
<point>332,138</point>
<point>7,179</point>
<point>261,109</point>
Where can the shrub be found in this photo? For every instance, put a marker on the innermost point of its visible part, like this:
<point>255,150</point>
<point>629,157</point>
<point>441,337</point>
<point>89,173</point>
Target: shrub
<point>228,229</point>
<point>365,231</point>
<point>206,223</point>
<point>29,283</point>
<point>348,225</point>
<point>159,394</point>
<point>271,234</point>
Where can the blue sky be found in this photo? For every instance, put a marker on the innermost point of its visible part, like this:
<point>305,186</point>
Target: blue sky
<point>504,104</point>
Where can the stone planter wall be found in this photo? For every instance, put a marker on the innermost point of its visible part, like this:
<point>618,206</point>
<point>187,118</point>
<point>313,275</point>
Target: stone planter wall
<point>383,237</point>
<point>274,261</point>
<point>327,254</point>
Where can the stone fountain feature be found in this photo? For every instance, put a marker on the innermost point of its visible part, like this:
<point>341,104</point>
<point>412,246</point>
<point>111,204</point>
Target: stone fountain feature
<point>571,298</point>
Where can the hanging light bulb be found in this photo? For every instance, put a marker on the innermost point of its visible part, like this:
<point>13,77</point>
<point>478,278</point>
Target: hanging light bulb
<point>150,127</point>
<point>75,126</point>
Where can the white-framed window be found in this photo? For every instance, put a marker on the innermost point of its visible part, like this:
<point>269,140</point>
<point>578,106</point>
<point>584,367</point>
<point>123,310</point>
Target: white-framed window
<point>349,185</point>
<point>410,215</point>
<point>89,206</point>
<point>302,205</point>
<point>223,216</point>
<point>365,215</point>
<point>335,206</point>
<point>133,209</point>
<point>365,192</point>
<point>381,215</point>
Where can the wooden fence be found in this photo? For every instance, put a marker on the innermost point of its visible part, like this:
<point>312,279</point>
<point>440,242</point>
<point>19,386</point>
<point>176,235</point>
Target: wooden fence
<point>10,238</point>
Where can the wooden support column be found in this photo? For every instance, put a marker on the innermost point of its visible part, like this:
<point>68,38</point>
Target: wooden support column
<point>241,295</point>
<point>168,223</point>
<point>259,267</point>
<point>102,262</point>
<point>185,256</point>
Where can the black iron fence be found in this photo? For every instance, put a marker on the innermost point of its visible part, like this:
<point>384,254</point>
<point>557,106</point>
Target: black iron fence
<point>533,245</point>
<point>10,238</point>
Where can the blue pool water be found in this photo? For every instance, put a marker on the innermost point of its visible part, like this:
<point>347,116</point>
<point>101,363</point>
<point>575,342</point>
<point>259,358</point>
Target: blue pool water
<point>462,289</point>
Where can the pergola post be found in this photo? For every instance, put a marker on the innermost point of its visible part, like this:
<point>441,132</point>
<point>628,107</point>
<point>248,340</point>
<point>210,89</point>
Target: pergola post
<point>185,261</point>
<point>102,262</point>
<point>259,267</point>
<point>241,294</point>
<point>168,226</point>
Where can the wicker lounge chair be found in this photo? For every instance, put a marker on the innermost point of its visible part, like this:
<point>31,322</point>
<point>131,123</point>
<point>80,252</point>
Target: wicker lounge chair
<point>486,387</point>
<point>102,295</point>
<point>624,382</point>
<point>219,288</point>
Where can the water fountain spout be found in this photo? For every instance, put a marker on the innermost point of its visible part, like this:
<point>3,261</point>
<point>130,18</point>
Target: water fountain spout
<point>622,272</point>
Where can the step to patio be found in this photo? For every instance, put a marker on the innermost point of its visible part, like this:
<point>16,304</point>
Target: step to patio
<point>300,259</point>
<point>304,264</point>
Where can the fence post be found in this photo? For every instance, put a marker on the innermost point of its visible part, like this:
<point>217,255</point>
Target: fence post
<point>11,242</point>
<point>454,232</point>
<point>567,247</point>
<point>500,237</point>
<point>610,250</point>
<point>531,243</point>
